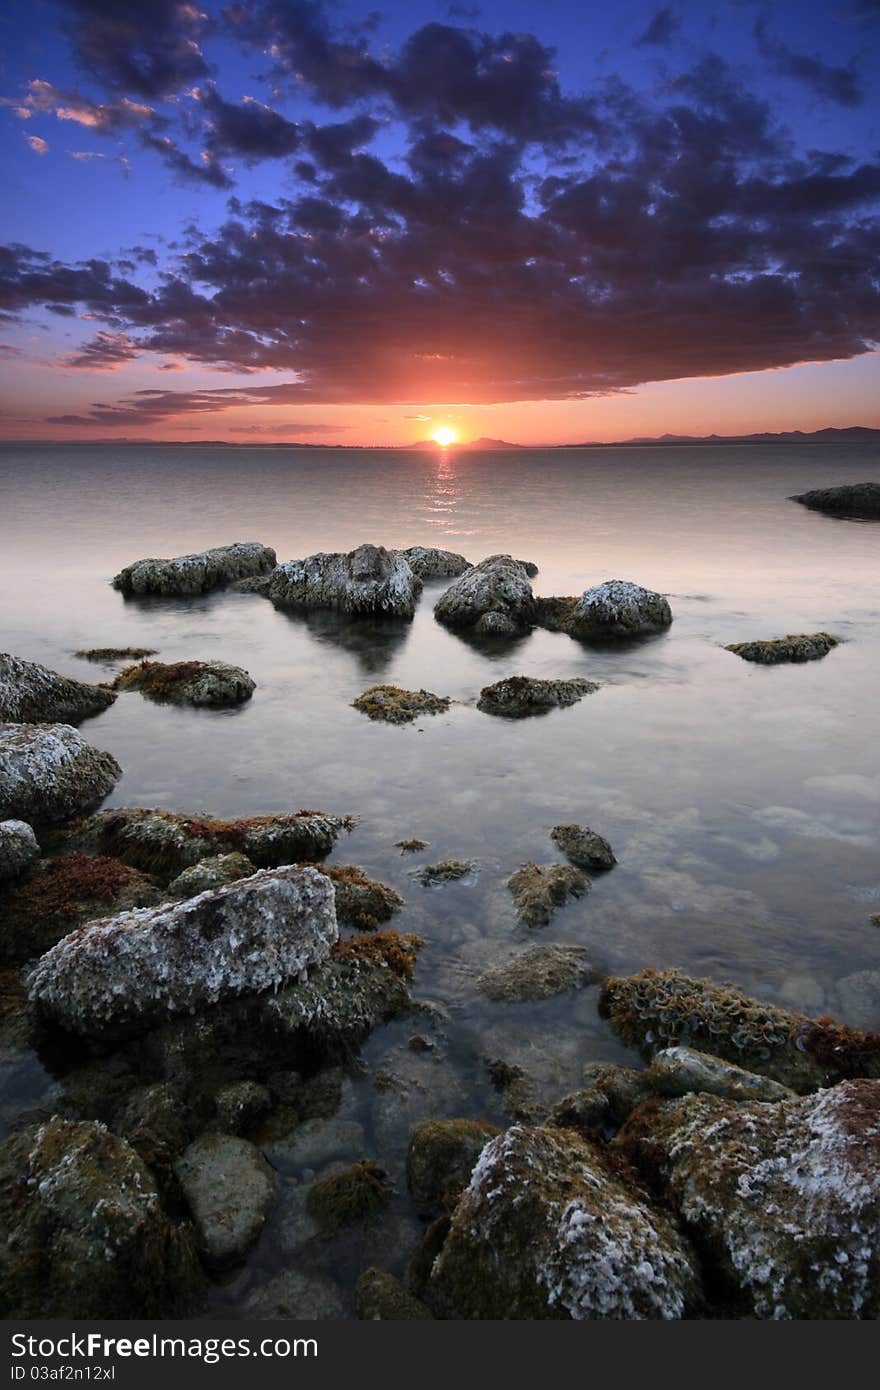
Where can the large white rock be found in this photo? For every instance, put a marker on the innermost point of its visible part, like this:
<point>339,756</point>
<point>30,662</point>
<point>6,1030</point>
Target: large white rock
<point>32,694</point>
<point>367,581</point>
<point>493,598</point>
<point>126,973</point>
<point>198,573</point>
<point>49,773</point>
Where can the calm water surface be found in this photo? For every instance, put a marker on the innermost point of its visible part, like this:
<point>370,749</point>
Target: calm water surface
<point>742,802</point>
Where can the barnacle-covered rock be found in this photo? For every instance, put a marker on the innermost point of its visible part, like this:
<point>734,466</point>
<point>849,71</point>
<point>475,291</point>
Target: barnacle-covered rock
<point>548,1229</point>
<point>859,500</point>
<point>214,872</point>
<point>198,573</point>
<point>367,581</point>
<point>427,562</point>
<point>396,706</point>
<point>85,1235</point>
<point>678,1071</point>
<point>230,1189</point>
<point>441,1157</point>
<point>538,889</point>
<point>773,651</point>
<point>32,694</point>
<point>164,843</point>
<point>125,973</point>
<point>19,848</point>
<point>538,973</point>
<point>379,1297</point>
<point>583,847</point>
<point>49,773</point>
<point>493,598</point>
<point>517,697</point>
<point>205,684</point>
<point>783,1199</point>
<point>618,608</point>
<point>658,1009</point>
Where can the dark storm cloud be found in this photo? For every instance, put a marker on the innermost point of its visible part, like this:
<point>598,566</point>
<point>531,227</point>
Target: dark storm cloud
<point>838,84</point>
<point>661,30</point>
<point>246,129</point>
<point>146,47</point>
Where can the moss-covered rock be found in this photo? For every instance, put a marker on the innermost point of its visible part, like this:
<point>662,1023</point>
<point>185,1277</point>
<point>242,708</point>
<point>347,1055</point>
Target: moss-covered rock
<point>361,902</point>
<point>411,846</point>
<point>107,655</point>
<point>19,848</point>
<point>355,1194</point>
<point>196,574</point>
<point>157,1123</point>
<point>538,889</point>
<point>204,684</point>
<point>241,1106</point>
<point>86,1236</point>
<point>49,773</point>
<point>858,500</point>
<point>548,1228</point>
<point>444,871</point>
<point>583,847</point>
<point>32,694</point>
<point>379,1297</point>
<point>393,705</point>
<point>773,651</point>
<point>230,1189</point>
<point>440,1159</point>
<point>214,872</point>
<point>609,1095</point>
<point>538,973</point>
<point>518,697</point>
<point>493,598</point>
<point>783,1199</point>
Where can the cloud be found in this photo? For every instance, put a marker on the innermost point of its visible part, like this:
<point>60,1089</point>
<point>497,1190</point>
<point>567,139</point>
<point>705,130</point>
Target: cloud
<point>293,427</point>
<point>146,47</point>
<point>104,353</point>
<point>38,144</point>
<point>661,30</point>
<point>248,129</point>
<point>105,118</point>
<point>837,84</point>
<point>205,170</point>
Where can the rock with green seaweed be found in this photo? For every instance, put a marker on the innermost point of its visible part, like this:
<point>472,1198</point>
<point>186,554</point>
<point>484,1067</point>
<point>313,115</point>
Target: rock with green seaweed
<point>361,902</point>
<point>539,889</point>
<point>156,1120</point>
<point>493,598</point>
<point>214,872</point>
<point>49,773</point>
<point>444,871</point>
<point>241,1105</point>
<point>773,651</point>
<point>783,1199</point>
<point>440,1159</point>
<point>19,848</point>
<point>518,697</point>
<point>32,694</point>
<point>659,1009</point>
<point>106,656</point>
<point>58,895</point>
<point>355,1194</point>
<point>411,846</point>
<point>538,972</point>
<point>198,573</point>
<point>204,684</point>
<point>550,1227</point>
<point>609,1095</point>
<point>583,847</point>
<point>230,1189</point>
<point>393,705</point>
<point>86,1236</point>
<point>379,1297</point>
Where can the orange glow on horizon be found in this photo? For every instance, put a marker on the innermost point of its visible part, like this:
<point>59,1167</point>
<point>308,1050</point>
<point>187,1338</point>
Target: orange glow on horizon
<point>444,436</point>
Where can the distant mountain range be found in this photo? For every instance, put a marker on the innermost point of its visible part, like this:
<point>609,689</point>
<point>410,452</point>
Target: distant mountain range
<point>482,445</point>
<point>852,434</point>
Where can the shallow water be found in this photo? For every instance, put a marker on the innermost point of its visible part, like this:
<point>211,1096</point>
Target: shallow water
<point>742,802</point>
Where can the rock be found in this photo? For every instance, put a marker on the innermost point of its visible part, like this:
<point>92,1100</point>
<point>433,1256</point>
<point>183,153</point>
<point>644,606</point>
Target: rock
<point>355,1194</point>
<point>516,697</point>
<point>657,1009</point>
<point>610,1095</point>
<point>538,889</point>
<point>361,902</point>
<point>411,846</point>
<point>395,706</point>
<point>199,573</point>
<point>205,684</point>
<point>783,1199</point>
<point>678,1071</point>
<point>60,894</point>
<point>214,872</point>
<point>85,1234</point>
<point>32,694</point>
<point>294,1294</point>
<point>241,1106</point>
<point>125,973</point>
<point>618,608</point>
<point>440,1159</point>
<point>379,1297</point>
<point>494,598</point>
<point>426,562</point>
<point>859,996</point>
<point>538,973</point>
<point>230,1189</point>
<point>547,1229</point>
<point>803,647</point>
<point>317,1142</point>
<point>18,848</point>
<point>49,773</point>
<point>445,871</point>
<point>368,581</point>
<point>106,655</point>
<point>859,500</point>
<point>165,844</point>
<point>156,1121</point>
<point>583,847</point>
<point>530,568</point>
<point>517,1090</point>
<point>256,584</point>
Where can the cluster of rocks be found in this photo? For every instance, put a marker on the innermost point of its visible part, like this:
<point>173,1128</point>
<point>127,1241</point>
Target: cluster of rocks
<point>199,573</point>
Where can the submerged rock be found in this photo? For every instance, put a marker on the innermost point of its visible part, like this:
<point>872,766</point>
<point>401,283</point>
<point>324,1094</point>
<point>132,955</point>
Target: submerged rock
<point>773,651</point>
<point>214,872</point>
<point>538,973</point>
<point>367,581</point>
<point>230,1189</point>
<point>32,694</point>
<point>538,889</point>
<point>678,1071</point>
<point>129,972</point>
<point>297,1294</point>
<point>212,684</point>
<point>163,843</point>
<point>516,697</point>
<point>60,894</point>
<point>783,1199</point>
<point>611,1094</point>
<point>198,573</point>
<point>19,848</point>
<point>396,706</point>
<point>442,1155</point>
<point>242,1105</point>
<point>86,1236</point>
<point>411,846</point>
<point>494,598</point>
<point>859,995</point>
<point>444,871</point>
<point>583,847</point>
<point>355,1194</point>
<point>361,902</point>
<point>547,1229</point>
<point>379,1297</point>
<point>105,655</point>
<point>49,773</point>
<point>618,608</point>
<point>860,500</point>
<point>427,562</point>
<point>658,1009</point>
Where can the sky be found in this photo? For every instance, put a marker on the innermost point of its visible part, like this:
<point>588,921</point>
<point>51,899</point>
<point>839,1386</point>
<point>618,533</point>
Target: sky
<point>275,220</point>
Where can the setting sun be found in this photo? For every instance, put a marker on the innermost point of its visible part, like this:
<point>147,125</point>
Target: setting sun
<point>444,436</point>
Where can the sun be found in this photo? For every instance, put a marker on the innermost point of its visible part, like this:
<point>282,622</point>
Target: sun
<point>445,436</point>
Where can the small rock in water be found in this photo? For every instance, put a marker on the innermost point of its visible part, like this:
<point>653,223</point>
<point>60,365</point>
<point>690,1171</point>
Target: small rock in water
<point>49,773</point>
<point>230,1189</point>
<point>379,1297</point>
<point>441,1158</point>
<point>295,1294</point>
<point>361,902</point>
<point>242,1105</point>
<point>198,573</point>
<point>859,500</point>
<point>396,706</point>
<point>445,871</point>
<point>355,1194</point>
<point>517,697</point>
<point>205,684</point>
<point>618,608</point>
<point>411,846</point>
<point>19,848</point>
<point>106,655</point>
<point>538,889</point>
<point>32,694</point>
<point>775,650</point>
<point>583,846</point>
<point>539,972</point>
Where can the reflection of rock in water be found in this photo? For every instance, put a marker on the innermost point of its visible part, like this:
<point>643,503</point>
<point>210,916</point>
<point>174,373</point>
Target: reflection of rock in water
<point>374,642</point>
